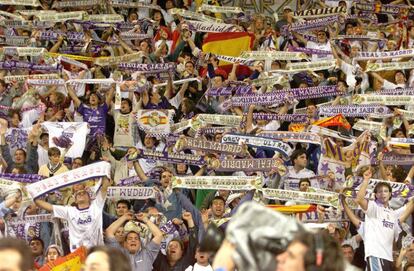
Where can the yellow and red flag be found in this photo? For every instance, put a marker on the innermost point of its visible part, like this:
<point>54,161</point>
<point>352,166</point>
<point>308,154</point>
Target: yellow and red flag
<point>71,262</point>
<point>293,209</point>
<point>338,120</point>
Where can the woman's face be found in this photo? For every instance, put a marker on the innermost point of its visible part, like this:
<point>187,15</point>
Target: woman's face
<point>132,17</point>
<point>52,254</point>
<point>119,235</point>
<point>157,16</point>
<point>15,121</point>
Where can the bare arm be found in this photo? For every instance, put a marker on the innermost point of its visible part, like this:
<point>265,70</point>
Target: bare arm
<point>44,205</point>
<point>105,184</point>
<point>72,94</point>
<point>249,120</point>
<point>360,199</point>
<point>110,231</point>
<point>352,217</point>
<point>409,208</point>
<point>156,232</point>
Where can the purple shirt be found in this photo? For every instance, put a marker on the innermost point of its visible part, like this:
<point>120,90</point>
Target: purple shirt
<point>96,118</point>
<point>163,104</point>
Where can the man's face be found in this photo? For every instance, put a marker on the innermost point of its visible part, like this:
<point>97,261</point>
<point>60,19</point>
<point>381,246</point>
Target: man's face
<point>348,253</point>
<point>301,161</point>
<point>19,157</point>
<point>383,194</point>
<point>93,99</point>
<point>132,242</point>
<point>174,251</point>
<point>10,260</point>
<point>166,179</point>
<point>121,208</point>
<point>217,208</point>
<point>292,259</point>
<point>36,247</point>
<point>82,197</point>
<point>400,78</point>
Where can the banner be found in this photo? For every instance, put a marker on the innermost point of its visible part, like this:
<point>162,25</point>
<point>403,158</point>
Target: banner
<point>384,55</point>
<point>62,16</point>
<point>353,110</point>
<point>72,262</point>
<point>399,190</point>
<point>328,198</point>
<point>301,137</point>
<point>115,60</point>
<point>337,120</point>
<point>209,146</point>
<point>209,27</point>
<point>383,99</point>
<point>391,158</point>
<point>388,66</point>
<point>259,142</point>
<point>32,3</point>
<point>380,8</point>
<point>310,66</point>
<point>397,91</point>
<point>29,219</point>
<point>22,78</point>
<point>187,14</point>
<point>228,91</point>
<point>218,182</point>
<point>225,120</point>
<point>127,192</point>
<point>331,215</point>
<point>322,12</point>
<point>233,59</point>
<point>246,165</point>
<point>24,51</point>
<point>131,4</point>
<point>173,158</point>
<point>220,9</point>
<point>152,68</point>
<point>320,23</point>
<point>273,55</point>
<point>301,118</point>
<point>75,3</point>
<point>95,170</point>
<point>155,122</point>
<point>372,126</point>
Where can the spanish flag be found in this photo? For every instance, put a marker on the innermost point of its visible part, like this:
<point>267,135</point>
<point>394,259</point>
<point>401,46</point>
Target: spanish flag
<point>229,44</point>
<point>337,120</point>
<point>71,262</point>
<point>294,209</point>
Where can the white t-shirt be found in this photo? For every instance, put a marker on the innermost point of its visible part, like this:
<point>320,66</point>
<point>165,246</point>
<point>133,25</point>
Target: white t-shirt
<point>380,230</point>
<point>198,267</point>
<point>320,46</point>
<point>124,126</point>
<point>85,225</point>
<point>291,180</point>
<point>75,131</point>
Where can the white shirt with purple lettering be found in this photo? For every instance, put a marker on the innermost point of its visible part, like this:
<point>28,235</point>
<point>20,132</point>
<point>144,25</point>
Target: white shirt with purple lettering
<point>380,229</point>
<point>85,225</point>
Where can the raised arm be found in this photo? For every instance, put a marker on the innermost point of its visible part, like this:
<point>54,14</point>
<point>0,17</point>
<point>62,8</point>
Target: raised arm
<point>44,205</point>
<point>360,199</point>
<point>352,217</point>
<point>110,231</point>
<point>156,232</point>
<point>73,95</point>
<point>106,182</point>
<point>409,208</point>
